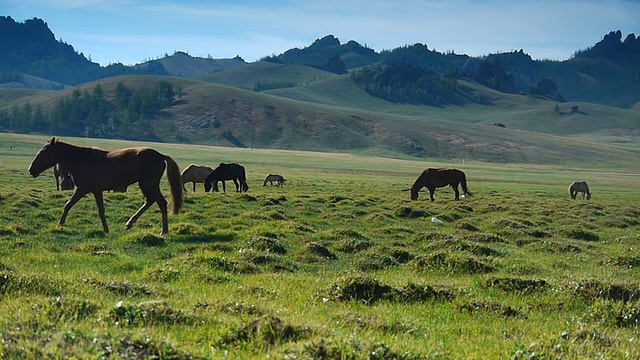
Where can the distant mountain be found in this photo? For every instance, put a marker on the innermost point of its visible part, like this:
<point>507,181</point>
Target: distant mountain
<point>183,65</point>
<point>31,48</point>
<point>607,73</point>
<point>321,51</point>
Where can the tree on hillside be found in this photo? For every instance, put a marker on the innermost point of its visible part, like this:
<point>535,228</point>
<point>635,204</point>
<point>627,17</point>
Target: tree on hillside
<point>408,83</point>
<point>335,65</point>
<point>127,114</point>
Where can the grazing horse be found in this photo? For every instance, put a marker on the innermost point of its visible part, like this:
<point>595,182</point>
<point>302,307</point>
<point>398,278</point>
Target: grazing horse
<point>95,170</point>
<point>64,180</point>
<point>225,172</point>
<point>579,186</point>
<point>435,178</point>
<point>274,177</point>
<point>194,174</point>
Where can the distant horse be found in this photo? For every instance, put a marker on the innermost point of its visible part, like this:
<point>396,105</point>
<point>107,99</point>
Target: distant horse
<point>579,186</point>
<point>194,174</point>
<point>225,172</point>
<point>64,180</point>
<point>95,170</point>
<point>273,177</point>
<point>436,178</point>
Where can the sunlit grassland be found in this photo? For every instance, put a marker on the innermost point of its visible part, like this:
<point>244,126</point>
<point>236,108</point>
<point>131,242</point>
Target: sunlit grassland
<point>337,264</point>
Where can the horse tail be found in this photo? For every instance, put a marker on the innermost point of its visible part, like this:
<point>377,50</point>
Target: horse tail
<point>173,174</point>
<point>463,183</point>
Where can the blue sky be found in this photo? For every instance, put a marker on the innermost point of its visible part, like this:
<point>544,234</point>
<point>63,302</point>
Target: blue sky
<point>133,31</point>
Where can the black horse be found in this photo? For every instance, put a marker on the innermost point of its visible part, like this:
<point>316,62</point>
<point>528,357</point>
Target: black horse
<point>223,172</point>
<point>436,178</point>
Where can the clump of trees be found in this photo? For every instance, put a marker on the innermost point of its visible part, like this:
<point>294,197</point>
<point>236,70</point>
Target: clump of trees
<point>126,113</point>
<point>408,83</point>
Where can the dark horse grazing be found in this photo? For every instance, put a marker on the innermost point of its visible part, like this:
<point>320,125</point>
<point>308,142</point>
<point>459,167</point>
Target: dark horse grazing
<point>95,170</point>
<point>435,178</point>
<point>64,180</point>
<point>579,186</point>
<point>225,172</point>
<point>273,177</point>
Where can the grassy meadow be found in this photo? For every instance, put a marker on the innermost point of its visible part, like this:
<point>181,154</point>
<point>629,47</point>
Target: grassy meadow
<point>338,264</point>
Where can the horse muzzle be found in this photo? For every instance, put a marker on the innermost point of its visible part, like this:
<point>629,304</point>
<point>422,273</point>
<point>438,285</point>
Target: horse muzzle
<point>33,172</point>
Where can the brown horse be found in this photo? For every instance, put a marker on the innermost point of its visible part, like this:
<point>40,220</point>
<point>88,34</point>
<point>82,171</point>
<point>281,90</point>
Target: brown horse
<point>96,170</point>
<point>194,174</point>
<point>64,180</point>
<point>435,178</point>
<point>579,186</point>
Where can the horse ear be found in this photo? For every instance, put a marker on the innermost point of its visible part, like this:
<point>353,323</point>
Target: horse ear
<point>53,140</point>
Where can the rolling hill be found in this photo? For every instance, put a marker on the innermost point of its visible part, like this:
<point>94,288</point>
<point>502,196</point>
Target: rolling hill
<point>335,115</point>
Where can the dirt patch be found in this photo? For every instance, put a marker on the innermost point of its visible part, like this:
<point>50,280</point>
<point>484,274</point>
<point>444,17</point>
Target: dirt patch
<point>593,289</point>
<point>518,285</point>
<point>271,330</point>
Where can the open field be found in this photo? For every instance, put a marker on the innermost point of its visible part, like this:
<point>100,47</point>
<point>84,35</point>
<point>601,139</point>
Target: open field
<point>339,264</point>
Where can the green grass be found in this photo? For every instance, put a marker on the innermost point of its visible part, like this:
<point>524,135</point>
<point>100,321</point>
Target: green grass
<point>337,264</point>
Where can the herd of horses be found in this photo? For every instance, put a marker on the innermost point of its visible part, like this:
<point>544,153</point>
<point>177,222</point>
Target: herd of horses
<point>92,170</point>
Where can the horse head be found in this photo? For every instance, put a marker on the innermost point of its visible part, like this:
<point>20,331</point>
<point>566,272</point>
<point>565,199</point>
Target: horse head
<point>207,186</point>
<point>45,158</point>
<point>414,194</point>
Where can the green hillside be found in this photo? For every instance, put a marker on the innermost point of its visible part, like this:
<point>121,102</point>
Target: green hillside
<point>335,115</point>
<point>264,75</point>
<point>522,112</point>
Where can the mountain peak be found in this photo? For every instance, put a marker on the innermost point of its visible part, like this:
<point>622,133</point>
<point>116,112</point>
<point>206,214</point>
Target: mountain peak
<point>325,42</point>
<point>612,47</point>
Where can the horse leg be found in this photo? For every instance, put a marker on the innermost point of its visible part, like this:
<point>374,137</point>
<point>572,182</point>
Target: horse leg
<point>162,204</point>
<point>100,203</point>
<point>147,204</point>
<point>456,191</point>
<point>194,186</point>
<point>235,182</point>
<point>77,195</point>
<point>431,191</point>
